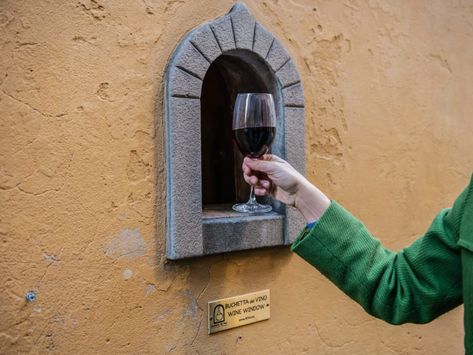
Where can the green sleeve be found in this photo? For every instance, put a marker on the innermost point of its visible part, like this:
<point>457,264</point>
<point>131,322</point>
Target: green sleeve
<point>415,285</point>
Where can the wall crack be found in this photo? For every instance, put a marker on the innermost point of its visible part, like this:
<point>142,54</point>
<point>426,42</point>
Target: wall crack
<point>27,104</point>
<point>198,305</point>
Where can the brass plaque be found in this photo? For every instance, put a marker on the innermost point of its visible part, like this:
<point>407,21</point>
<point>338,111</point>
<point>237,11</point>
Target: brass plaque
<point>236,311</point>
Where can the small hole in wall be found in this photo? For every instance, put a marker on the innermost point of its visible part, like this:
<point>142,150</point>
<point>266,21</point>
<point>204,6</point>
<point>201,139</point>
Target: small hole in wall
<point>228,75</point>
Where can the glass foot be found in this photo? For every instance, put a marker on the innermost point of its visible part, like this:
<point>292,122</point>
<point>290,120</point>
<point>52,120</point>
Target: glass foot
<point>251,208</point>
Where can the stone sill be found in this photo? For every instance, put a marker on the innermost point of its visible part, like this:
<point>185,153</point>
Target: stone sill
<point>225,230</point>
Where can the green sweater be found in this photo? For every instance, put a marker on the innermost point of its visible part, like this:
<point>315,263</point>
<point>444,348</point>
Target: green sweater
<point>417,284</point>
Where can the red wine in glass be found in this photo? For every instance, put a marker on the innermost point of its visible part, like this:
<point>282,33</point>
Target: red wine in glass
<point>253,142</point>
<point>254,129</point>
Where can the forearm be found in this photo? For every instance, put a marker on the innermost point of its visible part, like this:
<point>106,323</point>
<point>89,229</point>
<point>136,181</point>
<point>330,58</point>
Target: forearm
<point>310,201</point>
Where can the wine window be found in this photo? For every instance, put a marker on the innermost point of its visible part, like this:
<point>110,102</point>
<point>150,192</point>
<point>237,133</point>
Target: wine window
<point>212,64</point>
<point>230,74</point>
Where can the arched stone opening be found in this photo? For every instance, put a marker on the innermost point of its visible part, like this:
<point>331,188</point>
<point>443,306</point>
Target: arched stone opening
<point>214,62</point>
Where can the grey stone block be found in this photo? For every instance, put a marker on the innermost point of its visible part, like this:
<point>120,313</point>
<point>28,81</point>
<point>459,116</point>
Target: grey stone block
<point>263,41</point>
<point>191,60</point>
<point>240,233</point>
<point>278,148</point>
<point>288,74</point>
<point>295,222</point>
<point>277,56</point>
<point>184,183</point>
<point>184,84</point>
<point>295,155</point>
<point>243,26</point>
<point>295,137</point>
<point>222,28</point>
<point>293,95</point>
<point>204,39</point>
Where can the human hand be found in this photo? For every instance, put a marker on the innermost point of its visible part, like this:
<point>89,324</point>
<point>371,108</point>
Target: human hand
<point>278,179</point>
<point>284,183</point>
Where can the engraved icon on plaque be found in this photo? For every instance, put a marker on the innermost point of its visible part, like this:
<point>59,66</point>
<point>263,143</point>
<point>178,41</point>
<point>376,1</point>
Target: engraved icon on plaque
<point>219,314</point>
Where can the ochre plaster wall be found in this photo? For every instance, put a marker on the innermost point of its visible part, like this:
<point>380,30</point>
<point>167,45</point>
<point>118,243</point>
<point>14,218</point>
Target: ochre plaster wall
<point>82,191</point>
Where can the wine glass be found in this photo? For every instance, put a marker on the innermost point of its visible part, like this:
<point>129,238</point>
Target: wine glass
<point>254,129</point>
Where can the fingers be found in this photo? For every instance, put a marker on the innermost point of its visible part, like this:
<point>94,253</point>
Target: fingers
<point>260,191</point>
<point>264,166</point>
<point>260,164</point>
<point>262,187</point>
<point>272,157</point>
<point>260,182</point>
<point>251,179</point>
<point>246,169</point>
<point>265,184</point>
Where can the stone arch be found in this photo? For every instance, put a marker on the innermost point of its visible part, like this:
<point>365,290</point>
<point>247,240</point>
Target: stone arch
<point>189,233</point>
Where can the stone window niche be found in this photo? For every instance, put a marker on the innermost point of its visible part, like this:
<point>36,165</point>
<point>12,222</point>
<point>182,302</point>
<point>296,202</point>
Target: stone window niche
<point>211,65</point>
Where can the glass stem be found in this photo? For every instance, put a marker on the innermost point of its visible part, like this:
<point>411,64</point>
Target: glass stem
<point>252,199</point>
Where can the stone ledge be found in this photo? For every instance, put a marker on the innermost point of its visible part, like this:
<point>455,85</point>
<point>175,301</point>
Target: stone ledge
<point>221,212</point>
<point>241,233</point>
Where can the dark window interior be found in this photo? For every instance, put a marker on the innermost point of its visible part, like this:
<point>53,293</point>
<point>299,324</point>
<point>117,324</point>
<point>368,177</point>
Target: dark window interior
<point>228,75</point>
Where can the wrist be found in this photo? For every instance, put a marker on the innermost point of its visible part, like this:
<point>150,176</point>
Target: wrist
<point>311,202</point>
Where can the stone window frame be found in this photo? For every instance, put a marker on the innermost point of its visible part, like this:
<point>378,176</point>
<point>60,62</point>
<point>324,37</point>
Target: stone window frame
<point>189,232</point>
